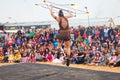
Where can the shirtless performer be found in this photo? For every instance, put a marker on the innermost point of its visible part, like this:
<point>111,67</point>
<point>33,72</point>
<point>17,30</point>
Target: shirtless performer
<point>64,31</point>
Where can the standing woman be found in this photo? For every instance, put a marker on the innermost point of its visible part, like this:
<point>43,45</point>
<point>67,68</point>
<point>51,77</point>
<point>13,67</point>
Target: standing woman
<point>64,31</point>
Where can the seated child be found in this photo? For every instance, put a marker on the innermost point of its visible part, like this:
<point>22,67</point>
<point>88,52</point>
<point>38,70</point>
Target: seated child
<point>32,57</point>
<point>24,57</point>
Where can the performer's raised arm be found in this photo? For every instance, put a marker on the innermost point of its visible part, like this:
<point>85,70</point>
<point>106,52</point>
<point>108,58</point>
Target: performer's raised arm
<point>52,13</point>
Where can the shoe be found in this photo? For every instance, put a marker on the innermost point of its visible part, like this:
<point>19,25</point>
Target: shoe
<point>67,62</point>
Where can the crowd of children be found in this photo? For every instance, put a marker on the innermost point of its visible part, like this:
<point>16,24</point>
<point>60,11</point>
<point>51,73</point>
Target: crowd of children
<point>97,45</point>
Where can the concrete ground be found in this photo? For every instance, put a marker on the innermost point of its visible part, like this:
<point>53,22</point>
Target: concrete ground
<point>31,71</point>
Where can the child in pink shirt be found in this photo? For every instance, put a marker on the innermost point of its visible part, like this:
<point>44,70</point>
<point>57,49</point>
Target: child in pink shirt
<point>32,57</point>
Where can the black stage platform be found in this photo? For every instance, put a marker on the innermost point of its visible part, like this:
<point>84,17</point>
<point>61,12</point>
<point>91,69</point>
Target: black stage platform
<point>31,71</point>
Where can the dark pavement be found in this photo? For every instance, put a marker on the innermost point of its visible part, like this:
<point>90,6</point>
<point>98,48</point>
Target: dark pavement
<point>30,71</point>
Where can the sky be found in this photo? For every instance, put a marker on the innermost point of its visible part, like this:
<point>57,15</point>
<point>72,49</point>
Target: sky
<point>26,11</point>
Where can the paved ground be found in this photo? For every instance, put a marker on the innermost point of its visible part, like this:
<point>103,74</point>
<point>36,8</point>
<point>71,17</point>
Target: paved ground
<point>30,71</point>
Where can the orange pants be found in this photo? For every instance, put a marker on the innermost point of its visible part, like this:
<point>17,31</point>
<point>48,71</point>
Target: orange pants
<point>67,46</point>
